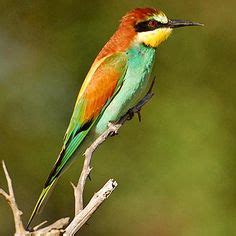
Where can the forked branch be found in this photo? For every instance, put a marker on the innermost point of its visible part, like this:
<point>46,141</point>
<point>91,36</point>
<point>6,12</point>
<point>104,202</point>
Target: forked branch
<point>10,197</point>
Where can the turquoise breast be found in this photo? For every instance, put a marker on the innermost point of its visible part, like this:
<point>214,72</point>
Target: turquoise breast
<point>136,80</point>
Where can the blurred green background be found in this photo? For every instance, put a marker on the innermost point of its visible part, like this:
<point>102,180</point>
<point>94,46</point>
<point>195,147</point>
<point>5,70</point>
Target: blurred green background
<point>176,169</point>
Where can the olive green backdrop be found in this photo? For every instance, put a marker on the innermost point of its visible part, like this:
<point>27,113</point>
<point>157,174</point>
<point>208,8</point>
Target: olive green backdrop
<point>176,169</point>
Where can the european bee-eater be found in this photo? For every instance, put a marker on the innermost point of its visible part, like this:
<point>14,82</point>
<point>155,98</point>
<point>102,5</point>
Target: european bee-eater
<point>117,79</point>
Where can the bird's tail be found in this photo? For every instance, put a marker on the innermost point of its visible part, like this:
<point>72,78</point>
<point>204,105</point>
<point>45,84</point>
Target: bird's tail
<point>63,161</point>
<point>41,201</point>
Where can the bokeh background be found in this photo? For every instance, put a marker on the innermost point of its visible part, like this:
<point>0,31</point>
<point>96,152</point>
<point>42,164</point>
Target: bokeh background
<point>176,169</point>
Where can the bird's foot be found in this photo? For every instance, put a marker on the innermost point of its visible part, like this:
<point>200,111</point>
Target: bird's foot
<point>130,114</point>
<point>139,115</point>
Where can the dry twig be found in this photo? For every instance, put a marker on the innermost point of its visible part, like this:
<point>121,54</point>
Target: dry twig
<point>20,230</point>
<point>12,203</point>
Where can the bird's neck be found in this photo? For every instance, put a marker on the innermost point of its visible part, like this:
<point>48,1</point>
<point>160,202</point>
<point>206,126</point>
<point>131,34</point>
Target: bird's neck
<point>119,42</point>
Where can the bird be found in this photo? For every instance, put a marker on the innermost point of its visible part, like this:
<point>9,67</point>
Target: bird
<point>119,76</point>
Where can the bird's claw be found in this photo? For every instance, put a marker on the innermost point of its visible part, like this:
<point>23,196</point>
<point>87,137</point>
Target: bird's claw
<point>139,115</point>
<point>130,114</point>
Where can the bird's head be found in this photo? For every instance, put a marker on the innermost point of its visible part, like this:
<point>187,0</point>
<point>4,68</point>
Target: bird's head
<point>151,26</point>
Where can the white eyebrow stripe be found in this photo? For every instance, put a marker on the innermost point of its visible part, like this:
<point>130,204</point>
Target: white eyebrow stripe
<point>161,17</point>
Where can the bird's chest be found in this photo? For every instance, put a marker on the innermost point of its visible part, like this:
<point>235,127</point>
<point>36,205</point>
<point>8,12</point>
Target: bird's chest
<point>140,63</point>
<point>140,58</point>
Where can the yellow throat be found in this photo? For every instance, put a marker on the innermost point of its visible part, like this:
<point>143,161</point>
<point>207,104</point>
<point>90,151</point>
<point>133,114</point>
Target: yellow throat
<point>154,38</point>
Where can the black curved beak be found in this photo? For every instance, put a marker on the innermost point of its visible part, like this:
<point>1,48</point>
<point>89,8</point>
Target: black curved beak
<point>182,23</point>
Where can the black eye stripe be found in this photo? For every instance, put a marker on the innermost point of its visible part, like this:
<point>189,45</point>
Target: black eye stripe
<point>148,26</point>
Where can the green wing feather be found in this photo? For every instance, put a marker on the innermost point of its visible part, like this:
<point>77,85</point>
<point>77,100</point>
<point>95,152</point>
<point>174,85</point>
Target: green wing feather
<point>78,130</point>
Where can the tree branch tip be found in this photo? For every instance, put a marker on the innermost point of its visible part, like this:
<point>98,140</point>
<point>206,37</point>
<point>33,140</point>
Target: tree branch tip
<point>3,163</point>
<point>114,183</point>
<point>73,186</point>
<point>6,174</point>
<point>110,185</point>
<point>4,168</point>
<point>4,194</point>
<point>39,225</point>
<point>54,227</point>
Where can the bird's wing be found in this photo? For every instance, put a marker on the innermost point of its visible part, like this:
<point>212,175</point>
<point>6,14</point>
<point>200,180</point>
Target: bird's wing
<point>96,92</point>
<point>102,82</point>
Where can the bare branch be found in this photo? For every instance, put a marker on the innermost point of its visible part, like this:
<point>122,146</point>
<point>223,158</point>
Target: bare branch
<point>98,198</point>
<point>12,203</point>
<point>4,194</point>
<point>56,226</point>
<point>79,189</point>
<point>54,229</point>
<point>39,225</point>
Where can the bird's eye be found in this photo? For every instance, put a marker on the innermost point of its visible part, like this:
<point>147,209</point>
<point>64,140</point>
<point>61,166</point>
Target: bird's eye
<point>147,25</point>
<point>152,24</point>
